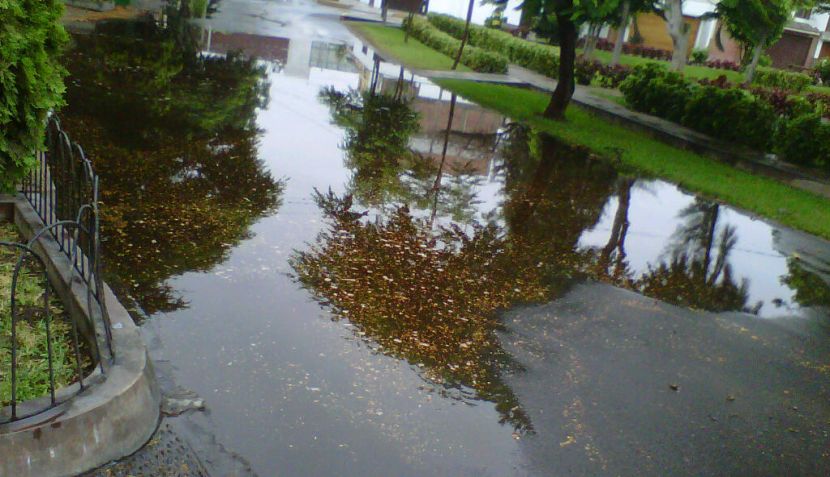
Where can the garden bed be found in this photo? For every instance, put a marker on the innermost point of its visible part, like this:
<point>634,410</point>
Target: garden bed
<point>32,351</point>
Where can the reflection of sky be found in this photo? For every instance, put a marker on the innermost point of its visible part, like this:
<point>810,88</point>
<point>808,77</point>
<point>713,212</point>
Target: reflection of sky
<point>653,216</point>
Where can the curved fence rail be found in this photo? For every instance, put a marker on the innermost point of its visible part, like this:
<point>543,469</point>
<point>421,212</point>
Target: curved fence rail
<point>63,190</point>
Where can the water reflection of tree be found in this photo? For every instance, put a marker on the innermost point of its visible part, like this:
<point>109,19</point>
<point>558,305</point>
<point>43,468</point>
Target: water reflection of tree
<point>612,262</point>
<point>431,294</point>
<point>811,290</point>
<point>554,193</point>
<point>385,170</point>
<point>422,293</point>
<point>378,128</point>
<point>173,136</point>
<point>698,273</point>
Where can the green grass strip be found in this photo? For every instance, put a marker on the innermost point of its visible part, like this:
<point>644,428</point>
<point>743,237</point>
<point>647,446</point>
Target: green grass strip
<point>32,350</point>
<point>413,54</point>
<point>765,196</point>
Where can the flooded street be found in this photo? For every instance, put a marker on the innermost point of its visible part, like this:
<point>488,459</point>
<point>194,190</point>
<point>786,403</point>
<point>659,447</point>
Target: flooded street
<point>356,288</point>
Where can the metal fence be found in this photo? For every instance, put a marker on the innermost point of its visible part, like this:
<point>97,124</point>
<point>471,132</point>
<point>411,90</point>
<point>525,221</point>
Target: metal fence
<point>63,190</point>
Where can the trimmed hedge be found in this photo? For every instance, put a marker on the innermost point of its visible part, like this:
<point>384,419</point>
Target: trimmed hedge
<point>586,70</point>
<point>789,80</point>
<point>636,50</point>
<point>476,58</point>
<point>540,58</point>
<point>729,114</point>
<point>804,140</point>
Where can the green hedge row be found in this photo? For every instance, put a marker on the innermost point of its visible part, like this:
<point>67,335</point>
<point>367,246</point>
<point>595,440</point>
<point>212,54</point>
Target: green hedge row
<point>543,59</point>
<point>476,58</point>
<point>731,114</point>
<point>788,80</point>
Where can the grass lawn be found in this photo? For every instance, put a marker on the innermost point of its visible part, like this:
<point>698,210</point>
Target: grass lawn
<point>414,54</point>
<point>764,196</point>
<point>32,356</point>
<point>692,71</point>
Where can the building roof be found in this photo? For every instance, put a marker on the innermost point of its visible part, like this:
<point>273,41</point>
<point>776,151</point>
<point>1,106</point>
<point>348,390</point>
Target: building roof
<point>801,27</point>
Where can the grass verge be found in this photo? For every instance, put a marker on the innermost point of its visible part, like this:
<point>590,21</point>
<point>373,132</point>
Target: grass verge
<point>691,71</point>
<point>765,196</point>
<point>32,354</point>
<point>412,53</point>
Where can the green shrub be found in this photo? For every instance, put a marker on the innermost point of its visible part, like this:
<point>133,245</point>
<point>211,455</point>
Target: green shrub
<point>804,140</point>
<point>31,80</point>
<point>821,70</point>
<point>731,114</point>
<point>652,89</point>
<point>476,58</point>
<point>543,59</point>
<point>699,57</point>
<point>726,113</point>
<point>789,80</point>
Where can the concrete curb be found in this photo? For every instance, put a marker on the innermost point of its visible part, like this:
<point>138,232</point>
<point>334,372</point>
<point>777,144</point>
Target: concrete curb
<point>111,418</point>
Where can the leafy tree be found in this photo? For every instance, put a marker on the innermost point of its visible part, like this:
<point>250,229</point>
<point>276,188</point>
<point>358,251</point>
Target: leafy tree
<point>757,24</point>
<point>563,11</point>
<point>31,81</point>
<point>569,14</point>
<point>627,8</point>
<point>596,13</point>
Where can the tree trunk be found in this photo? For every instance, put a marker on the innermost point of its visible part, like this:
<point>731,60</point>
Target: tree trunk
<point>466,34</point>
<point>591,41</point>
<point>679,33</point>
<point>384,9</point>
<point>619,230</point>
<point>753,65</point>
<point>561,97</point>
<point>618,45</point>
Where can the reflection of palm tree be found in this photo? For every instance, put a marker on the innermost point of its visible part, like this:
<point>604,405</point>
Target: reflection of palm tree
<point>698,274</point>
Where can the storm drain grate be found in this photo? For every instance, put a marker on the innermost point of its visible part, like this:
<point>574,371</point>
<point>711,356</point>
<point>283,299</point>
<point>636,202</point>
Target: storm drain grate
<point>166,455</point>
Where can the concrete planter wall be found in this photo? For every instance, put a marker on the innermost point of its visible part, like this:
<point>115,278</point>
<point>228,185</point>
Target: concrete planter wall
<point>110,419</point>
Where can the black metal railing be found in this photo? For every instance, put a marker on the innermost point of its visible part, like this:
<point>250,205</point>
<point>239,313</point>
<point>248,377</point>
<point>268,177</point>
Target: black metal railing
<point>62,188</point>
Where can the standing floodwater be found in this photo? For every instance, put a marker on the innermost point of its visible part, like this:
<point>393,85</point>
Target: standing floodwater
<point>357,285</point>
